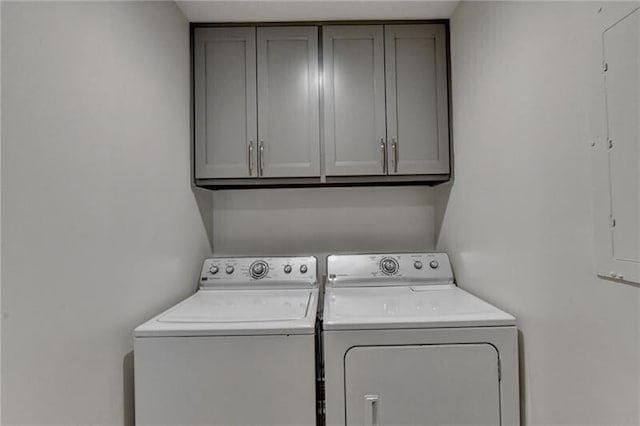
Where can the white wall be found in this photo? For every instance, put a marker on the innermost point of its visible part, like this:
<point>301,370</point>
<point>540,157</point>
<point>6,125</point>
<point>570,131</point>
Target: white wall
<point>320,221</point>
<point>518,218</point>
<point>100,227</point>
<point>0,216</point>
<point>309,10</point>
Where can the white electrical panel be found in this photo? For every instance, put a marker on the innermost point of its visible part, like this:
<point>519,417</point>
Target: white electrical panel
<point>617,158</point>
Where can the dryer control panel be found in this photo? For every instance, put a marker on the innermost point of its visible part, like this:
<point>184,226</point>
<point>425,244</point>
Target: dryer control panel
<point>238,272</point>
<point>389,269</point>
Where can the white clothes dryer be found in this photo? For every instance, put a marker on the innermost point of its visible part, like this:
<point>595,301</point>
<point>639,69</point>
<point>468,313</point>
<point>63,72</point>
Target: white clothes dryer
<point>240,351</point>
<point>403,345</point>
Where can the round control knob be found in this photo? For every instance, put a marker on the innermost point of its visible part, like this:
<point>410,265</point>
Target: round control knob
<point>389,266</point>
<point>214,269</point>
<point>287,269</point>
<point>229,269</point>
<point>303,269</point>
<point>434,264</point>
<point>417,264</point>
<point>258,269</point>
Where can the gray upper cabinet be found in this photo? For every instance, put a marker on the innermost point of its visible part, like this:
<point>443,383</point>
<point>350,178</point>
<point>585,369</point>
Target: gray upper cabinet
<point>256,102</point>
<point>417,107</point>
<point>276,106</point>
<point>354,102</point>
<point>288,105</point>
<point>225,102</point>
<point>385,100</point>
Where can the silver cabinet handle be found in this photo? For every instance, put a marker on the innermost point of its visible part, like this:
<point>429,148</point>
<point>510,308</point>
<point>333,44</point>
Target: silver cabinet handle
<point>383,151</point>
<point>394,147</point>
<point>371,409</point>
<point>250,154</point>
<point>261,157</point>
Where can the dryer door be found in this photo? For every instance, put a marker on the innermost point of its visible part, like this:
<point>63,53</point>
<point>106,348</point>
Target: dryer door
<point>422,385</point>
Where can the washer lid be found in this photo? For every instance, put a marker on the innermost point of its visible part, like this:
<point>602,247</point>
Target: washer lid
<point>429,306</point>
<point>235,306</point>
<point>237,312</point>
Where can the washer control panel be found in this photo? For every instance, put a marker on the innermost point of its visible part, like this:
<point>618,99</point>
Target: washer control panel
<point>389,269</point>
<point>250,271</point>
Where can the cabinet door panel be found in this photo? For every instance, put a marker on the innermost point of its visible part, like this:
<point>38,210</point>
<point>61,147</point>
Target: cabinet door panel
<point>354,116</point>
<point>225,101</point>
<point>417,107</point>
<point>288,108</point>
<point>422,385</point>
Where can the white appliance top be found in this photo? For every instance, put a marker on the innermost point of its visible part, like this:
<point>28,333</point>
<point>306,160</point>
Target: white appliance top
<point>246,300</point>
<point>365,293</point>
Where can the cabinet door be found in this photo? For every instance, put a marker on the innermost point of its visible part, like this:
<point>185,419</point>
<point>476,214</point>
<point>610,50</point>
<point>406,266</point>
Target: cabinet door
<point>288,107</point>
<point>225,102</point>
<point>354,116</point>
<point>422,385</point>
<point>417,107</point>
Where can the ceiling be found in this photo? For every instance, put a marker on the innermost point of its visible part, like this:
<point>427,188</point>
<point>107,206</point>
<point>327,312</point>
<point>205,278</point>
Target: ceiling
<point>312,10</point>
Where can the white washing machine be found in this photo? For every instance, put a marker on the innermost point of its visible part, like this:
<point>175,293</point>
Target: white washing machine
<point>240,351</point>
<point>403,345</point>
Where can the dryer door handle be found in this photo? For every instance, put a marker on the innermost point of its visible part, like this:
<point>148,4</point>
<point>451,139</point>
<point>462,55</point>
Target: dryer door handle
<point>372,410</point>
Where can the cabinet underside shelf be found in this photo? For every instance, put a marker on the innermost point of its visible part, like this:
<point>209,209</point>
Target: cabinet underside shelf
<point>316,182</point>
